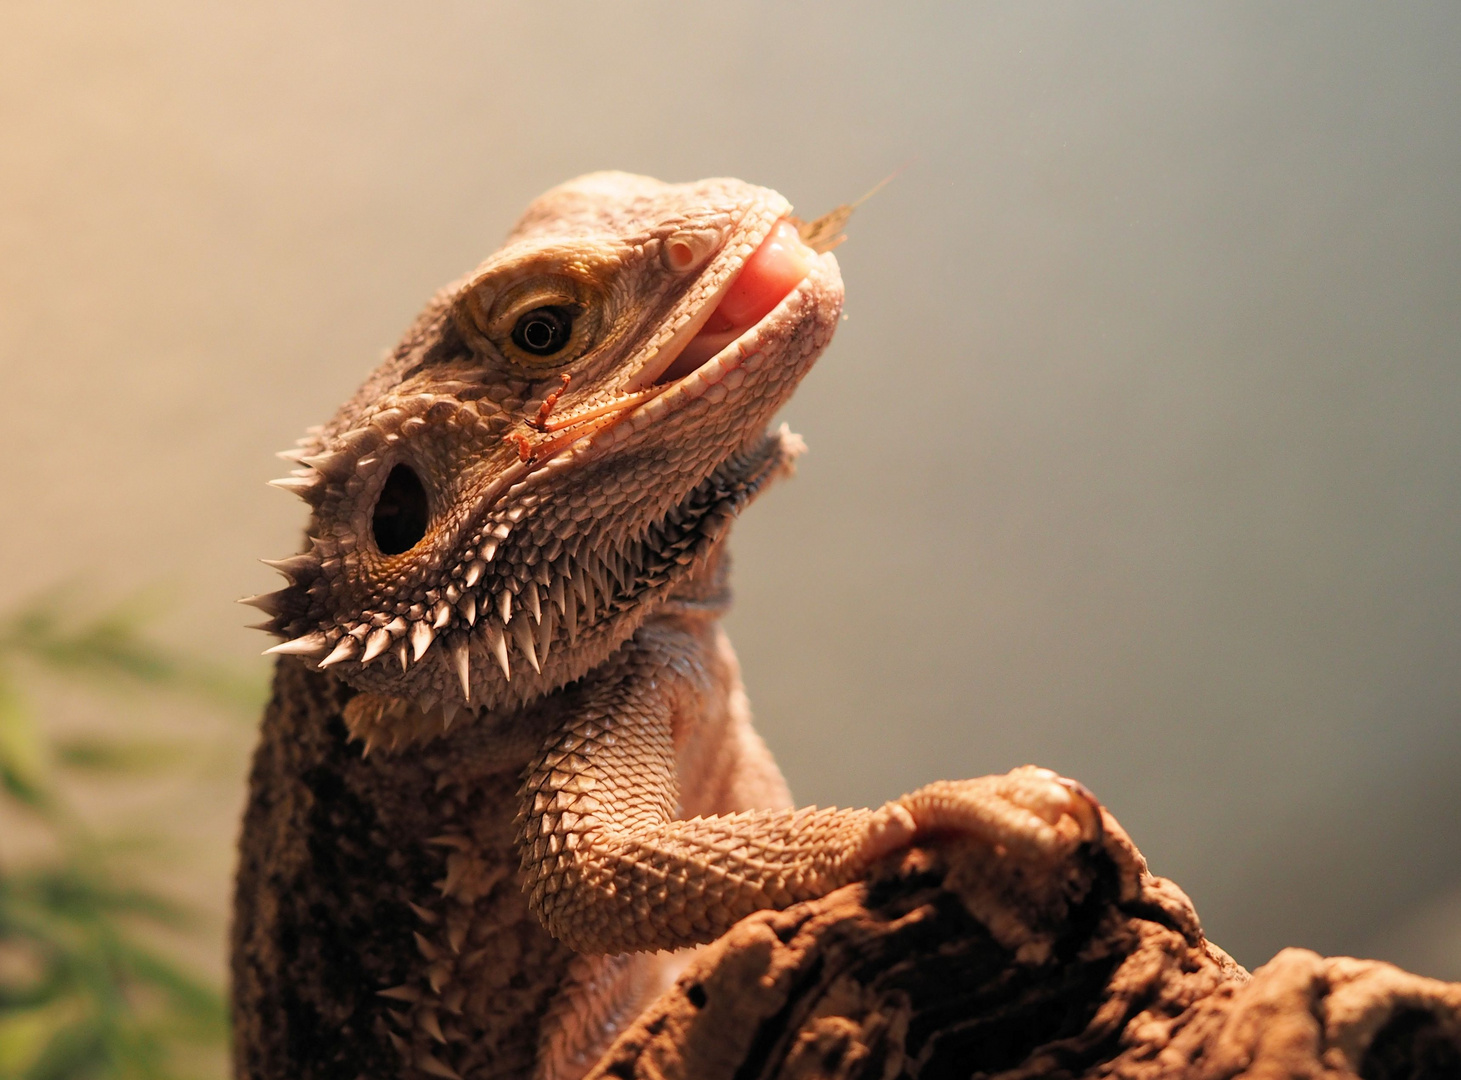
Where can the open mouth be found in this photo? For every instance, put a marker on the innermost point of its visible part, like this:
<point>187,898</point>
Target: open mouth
<point>767,277</point>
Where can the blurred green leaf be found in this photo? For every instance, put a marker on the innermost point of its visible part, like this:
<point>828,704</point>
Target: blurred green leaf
<point>110,647</point>
<point>118,756</point>
<point>72,1052</point>
<point>22,755</point>
<point>83,995</point>
<point>27,1033</point>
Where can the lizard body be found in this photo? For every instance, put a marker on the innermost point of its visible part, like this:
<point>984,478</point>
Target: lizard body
<point>508,762</point>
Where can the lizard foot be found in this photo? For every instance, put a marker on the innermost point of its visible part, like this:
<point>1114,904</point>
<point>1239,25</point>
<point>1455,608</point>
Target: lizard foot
<point>1030,812</point>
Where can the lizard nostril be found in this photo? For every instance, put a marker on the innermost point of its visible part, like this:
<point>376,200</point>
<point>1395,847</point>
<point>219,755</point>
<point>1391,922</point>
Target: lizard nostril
<point>400,517</point>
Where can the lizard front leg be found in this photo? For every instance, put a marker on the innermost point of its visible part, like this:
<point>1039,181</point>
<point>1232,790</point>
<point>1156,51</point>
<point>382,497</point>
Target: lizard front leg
<point>610,867</point>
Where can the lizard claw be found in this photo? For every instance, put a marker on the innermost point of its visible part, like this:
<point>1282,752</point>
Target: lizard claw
<point>1085,808</point>
<point>1031,812</point>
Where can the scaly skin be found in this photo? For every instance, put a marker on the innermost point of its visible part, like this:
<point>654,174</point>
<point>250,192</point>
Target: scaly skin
<point>508,755</point>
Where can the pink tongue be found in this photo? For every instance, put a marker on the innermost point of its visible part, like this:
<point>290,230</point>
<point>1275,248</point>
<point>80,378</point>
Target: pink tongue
<point>772,271</point>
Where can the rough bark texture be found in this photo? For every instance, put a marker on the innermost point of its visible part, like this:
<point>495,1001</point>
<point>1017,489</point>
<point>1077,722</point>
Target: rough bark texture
<point>952,962</point>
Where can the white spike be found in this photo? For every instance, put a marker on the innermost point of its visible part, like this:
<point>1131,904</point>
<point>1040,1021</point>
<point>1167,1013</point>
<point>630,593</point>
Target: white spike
<point>497,642</point>
<point>504,606</point>
<point>294,566</point>
<point>335,464</point>
<point>403,654</point>
<point>530,594</point>
<point>522,634</point>
<point>463,660</point>
<point>398,626</point>
<point>487,550</point>
<point>270,603</point>
<point>291,455</point>
<point>306,487</point>
<point>473,573</point>
<point>421,639</point>
<point>555,592</point>
<point>311,644</point>
<point>468,608</point>
<point>589,600</point>
<point>344,649</point>
<point>545,635</point>
<point>378,642</point>
<point>442,616</point>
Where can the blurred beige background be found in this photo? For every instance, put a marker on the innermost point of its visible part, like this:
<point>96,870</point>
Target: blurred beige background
<point>1138,457</point>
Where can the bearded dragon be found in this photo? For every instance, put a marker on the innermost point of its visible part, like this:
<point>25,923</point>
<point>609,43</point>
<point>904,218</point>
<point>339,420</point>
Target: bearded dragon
<point>508,764</point>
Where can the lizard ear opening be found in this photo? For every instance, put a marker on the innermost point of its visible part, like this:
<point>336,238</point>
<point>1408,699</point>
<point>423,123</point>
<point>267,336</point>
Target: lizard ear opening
<point>400,517</point>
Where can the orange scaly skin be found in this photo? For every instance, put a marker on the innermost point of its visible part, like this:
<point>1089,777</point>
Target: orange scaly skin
<point>508,755</point>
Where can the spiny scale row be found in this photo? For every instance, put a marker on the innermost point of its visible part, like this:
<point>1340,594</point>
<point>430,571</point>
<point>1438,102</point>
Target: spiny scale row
<point>521,615</point>
<point>564,581</point>
<point>435,1023</point>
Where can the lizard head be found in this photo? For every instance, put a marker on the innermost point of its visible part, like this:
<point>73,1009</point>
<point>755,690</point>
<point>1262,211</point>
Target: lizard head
<point>559,440</point>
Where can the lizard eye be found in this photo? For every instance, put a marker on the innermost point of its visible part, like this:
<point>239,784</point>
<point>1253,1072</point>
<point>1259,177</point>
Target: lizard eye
<point>537,322</point>
<point>543,331</point>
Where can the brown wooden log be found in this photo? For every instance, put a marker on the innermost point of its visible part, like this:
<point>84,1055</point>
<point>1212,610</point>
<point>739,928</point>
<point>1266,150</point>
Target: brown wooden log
<point>953,961</point>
